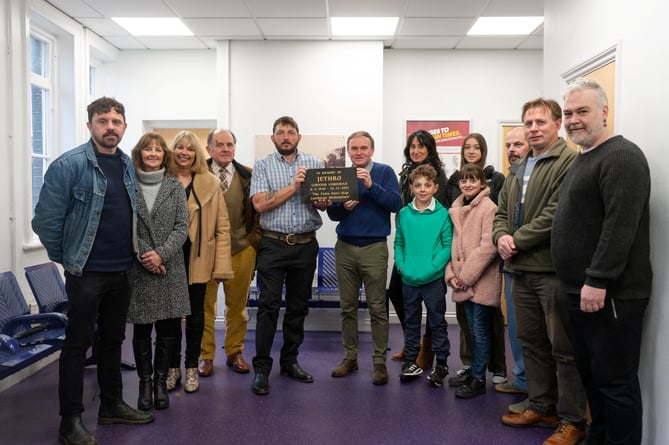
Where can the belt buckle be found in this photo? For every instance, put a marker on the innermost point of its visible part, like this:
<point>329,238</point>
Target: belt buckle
<point>291,239</point>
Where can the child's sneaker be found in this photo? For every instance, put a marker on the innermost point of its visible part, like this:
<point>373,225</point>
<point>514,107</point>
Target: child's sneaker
<point>438,375</point>
<point>409,370</point>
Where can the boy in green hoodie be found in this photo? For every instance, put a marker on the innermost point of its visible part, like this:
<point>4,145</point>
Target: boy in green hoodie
<point>423,235</point>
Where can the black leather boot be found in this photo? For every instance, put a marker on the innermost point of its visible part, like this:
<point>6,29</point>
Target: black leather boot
<point>164,349</point>
<point>73,432</point>
<point>120,412</point>
<point>142,349</point>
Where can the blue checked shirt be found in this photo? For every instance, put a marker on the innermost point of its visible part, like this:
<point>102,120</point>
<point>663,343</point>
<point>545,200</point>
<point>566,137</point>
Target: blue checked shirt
<point>272,173</point>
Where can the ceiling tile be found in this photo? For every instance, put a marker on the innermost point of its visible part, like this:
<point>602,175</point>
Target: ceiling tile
<point>435,26</point>
<point>287,8</point>
<point>225,28</point>
<point>366,8</point>
<point>122,42</point>
<point>441,8</point>
<point>294,27</point>
<point>210,8</point>
<point>132,8</point>
<point>515,8</point>
<point>171,42</point>
<point>103,27</point>
<point>75,8</point>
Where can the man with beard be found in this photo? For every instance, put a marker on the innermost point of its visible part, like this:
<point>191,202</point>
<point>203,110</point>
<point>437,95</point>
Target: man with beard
<point>287,252</point>
<point>601,250</point>
<point>85,220</point>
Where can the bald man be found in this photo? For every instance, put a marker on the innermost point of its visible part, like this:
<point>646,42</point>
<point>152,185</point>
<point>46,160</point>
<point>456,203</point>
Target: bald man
<point>516,148</point>
<point>245,236</point>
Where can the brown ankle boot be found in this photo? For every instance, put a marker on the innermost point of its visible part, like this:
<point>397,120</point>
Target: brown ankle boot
<point>399,356</point>
<point>425,354</point>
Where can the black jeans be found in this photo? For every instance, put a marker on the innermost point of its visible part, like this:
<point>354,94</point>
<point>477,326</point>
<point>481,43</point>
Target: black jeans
<point>607,344</point>
<point>279,263</point>
<point>194,328</point>
<point>101,297</point>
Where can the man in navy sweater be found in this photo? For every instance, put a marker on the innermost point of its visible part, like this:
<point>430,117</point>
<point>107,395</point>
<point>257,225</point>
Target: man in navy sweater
<point>601,251</point>
<point>361,253</point>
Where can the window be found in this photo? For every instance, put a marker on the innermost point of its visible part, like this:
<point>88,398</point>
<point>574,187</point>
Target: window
<point>41,99</point>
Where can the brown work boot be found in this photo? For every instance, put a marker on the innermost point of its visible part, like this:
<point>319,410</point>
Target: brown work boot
<point>380,374</point>
<point>346,367</point>
<point>529,418</point>
<point>565,434</point>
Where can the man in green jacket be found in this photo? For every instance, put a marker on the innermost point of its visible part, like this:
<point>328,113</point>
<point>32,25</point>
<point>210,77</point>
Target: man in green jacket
<point>522,233</point>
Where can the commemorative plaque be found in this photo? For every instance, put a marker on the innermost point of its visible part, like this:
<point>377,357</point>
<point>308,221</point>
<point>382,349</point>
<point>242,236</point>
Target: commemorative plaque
<point>335,184</point>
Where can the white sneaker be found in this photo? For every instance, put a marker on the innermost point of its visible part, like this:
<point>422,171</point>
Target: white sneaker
<point>499,377</point>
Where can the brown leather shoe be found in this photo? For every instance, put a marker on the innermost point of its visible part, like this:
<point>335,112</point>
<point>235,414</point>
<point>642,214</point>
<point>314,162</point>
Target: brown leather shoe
<point>346,367</point>
<point>380,374</point>
<point>237,363</point>
<point>205,367</point>
<point>565,434</point>
<point>529,418</point>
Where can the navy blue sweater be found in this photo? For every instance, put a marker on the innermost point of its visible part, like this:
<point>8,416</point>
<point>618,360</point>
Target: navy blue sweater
<point>369,221</point>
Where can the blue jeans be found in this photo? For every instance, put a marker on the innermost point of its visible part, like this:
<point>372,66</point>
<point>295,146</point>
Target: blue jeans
<point>478,318</point>
<point>516,349</point>
<point>434,296</point>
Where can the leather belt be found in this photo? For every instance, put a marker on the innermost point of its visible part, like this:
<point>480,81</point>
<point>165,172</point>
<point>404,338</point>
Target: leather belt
<point>291,238</point>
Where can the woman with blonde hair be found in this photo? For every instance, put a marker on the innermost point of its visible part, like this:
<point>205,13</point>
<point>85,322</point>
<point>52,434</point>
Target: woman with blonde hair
<point>206,250</point>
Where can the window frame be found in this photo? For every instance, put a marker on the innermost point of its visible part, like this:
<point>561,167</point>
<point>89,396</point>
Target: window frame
<point>47,82</point>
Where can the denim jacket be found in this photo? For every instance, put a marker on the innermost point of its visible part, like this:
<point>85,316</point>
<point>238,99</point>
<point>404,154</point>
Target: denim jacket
<point>70,203</point>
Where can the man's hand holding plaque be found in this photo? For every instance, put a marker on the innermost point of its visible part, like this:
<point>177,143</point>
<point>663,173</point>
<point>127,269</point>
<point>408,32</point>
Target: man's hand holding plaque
<point>323,186</point>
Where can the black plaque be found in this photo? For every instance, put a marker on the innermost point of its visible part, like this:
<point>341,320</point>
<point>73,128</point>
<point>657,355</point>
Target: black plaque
<point>335,184</point>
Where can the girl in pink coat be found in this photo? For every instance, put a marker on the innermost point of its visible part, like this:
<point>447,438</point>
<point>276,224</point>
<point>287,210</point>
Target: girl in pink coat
<point>473,271</point>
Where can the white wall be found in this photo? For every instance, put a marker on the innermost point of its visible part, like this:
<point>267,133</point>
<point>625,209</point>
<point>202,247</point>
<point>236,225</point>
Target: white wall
<point>576,31</point>
<point>483,86</point>
<point>161,86</point>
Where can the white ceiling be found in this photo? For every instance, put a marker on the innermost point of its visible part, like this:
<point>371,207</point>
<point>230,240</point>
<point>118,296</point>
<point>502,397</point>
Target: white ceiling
<point>424,24</point>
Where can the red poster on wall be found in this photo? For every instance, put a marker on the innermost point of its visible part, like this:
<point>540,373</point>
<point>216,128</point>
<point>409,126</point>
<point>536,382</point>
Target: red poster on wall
<point>446,133</point>
<point>449,136</point>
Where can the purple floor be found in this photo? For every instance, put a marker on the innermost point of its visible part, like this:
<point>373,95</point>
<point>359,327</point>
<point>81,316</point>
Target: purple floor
<point>347,410</point>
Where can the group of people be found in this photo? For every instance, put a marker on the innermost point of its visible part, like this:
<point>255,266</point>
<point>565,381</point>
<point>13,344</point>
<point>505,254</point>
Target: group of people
<point>148,238</point>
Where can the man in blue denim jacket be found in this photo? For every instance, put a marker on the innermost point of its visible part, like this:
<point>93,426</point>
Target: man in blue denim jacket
<point>85,219</point>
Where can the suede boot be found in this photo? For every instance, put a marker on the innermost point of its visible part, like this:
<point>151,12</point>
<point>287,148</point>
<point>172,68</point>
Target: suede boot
<point>142,349</point>
<point>425,354</point>
<point>164,349</point>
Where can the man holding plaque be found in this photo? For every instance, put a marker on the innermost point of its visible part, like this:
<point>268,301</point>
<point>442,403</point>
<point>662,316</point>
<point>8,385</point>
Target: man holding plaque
<point>361,253</point>
<point>287,252</point>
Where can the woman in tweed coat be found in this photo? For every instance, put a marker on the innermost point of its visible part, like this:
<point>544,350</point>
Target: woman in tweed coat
<point>158,280</point>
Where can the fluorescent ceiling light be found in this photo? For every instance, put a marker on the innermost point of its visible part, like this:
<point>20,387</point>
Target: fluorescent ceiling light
<point>363,26</point>
<point>496,26</point>
<point>162,26</point>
